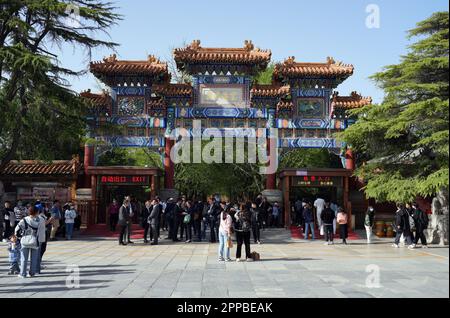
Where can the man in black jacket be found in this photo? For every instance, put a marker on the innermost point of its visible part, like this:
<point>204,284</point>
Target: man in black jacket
<point>169,215</point>
<point>327,216</point>
<point>421,221</point>
<point>144,222</point>
<point>153,219</point>
<point>214,211</point>
<point>402,226</point>
<point>124,218</point>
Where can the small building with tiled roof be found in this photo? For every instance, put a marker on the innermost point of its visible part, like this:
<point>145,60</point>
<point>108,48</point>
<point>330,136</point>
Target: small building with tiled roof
<point>32,180</point>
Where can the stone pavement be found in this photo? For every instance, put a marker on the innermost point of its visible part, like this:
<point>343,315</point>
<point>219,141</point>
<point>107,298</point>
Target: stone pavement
<point>289,268</point>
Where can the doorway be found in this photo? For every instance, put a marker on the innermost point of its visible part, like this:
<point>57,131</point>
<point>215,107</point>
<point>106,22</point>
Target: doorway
<point>139,194</point>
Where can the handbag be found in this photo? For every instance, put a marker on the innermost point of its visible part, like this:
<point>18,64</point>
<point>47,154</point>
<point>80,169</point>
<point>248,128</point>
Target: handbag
<point>29,240</point>
<point>322,230</point>
<point>187,219</point>
<point>229,243</point>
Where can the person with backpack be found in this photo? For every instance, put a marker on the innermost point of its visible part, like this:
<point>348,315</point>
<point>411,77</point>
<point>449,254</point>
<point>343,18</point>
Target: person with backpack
<point>402,226</point>
<point>243,228</point>
<point>256,223</point>
<point>308,216</point>
<point>30,230</point>
<point>225,230</point>
<point>412,223</point>
<point>70,216</point>
<point>368,222</point>
<point>342,220</point>
<point>327,217</point>
<point>421,221</point>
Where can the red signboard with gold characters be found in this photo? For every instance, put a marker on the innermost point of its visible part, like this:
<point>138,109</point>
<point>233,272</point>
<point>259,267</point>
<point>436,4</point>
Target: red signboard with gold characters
<point>317,181</point>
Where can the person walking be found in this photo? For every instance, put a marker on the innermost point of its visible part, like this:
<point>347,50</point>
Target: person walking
<point>298,209</point>
<point>421,221</point>
<point>14,255</point>
<point>113,211</point>
<point>342,220</point>
<point>368,222</point>
<point>45,234</point>
<point>225,229</point>
<point>70,216</point>
<point>327,216</point>
<point>243,228</point>
<point>56,216</point>
<point>131,213</point>
<point>402,226</point>
<point>335,208</point>
<point>188,220</point>
<point>20,212</point>
<point>308,216</point>
<point>10,221</point>
<point>154,220</point>
<point>144,222</point>
<point>319,204</point>
<point>30,231</point>
<point>213,212</point>
<point>256,223</point>
<point>124,217</point>
<point>276,215</point>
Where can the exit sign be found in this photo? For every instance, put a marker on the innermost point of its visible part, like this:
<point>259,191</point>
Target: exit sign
<point>141,180</point>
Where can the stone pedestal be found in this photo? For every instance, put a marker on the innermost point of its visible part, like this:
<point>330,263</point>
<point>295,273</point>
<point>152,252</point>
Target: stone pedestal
<point>165,194</point>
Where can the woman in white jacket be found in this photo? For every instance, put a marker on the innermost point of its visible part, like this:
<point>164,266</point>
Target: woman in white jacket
<point>36,227</point>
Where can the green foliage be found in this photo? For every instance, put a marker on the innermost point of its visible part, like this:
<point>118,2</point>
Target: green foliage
<point>137,157</point>
<point>41,117</point>
<point>402,144</point>
<point>237,180</point>
<point>309,158</point>
<point>265,77</point>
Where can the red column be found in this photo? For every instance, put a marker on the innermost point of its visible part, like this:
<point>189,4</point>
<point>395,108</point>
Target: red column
<point>271,181</point>
<point>349,160</point>
<point>169,175</point>
<point>88,162</point>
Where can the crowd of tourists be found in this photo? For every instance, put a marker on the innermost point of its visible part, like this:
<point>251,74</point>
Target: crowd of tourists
<point>189,221</point>
<point>27,228</point>
<point>325,216</point>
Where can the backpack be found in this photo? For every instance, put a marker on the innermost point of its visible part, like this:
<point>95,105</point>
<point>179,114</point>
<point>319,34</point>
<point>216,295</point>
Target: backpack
<point>29,237</point>
<point>187,219</point>
<point>412,223</point>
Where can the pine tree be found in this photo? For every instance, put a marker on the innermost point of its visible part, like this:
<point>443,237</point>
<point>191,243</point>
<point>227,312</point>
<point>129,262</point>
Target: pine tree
<point>402,144</point>
<point>41,117</point>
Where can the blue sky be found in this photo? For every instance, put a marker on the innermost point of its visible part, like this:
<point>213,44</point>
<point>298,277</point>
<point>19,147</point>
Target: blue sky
<point>308,30</point>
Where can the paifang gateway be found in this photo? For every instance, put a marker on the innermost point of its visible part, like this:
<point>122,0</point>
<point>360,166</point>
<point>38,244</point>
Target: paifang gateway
<point>301,102</point>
